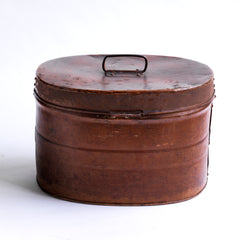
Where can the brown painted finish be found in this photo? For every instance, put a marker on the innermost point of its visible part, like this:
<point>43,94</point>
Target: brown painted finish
<point>144,152</point>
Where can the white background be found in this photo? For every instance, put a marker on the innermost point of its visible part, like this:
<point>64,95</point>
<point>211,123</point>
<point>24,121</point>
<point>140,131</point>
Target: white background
<point>35,31</point>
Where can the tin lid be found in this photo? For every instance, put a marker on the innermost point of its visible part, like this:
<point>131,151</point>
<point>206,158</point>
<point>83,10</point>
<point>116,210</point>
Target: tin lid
<point>110,83</point>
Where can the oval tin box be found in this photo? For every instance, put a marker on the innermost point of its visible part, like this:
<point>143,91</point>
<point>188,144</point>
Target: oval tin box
<point>123,129</point>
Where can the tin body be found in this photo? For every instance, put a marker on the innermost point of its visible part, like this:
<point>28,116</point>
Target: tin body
<point>137,154</point>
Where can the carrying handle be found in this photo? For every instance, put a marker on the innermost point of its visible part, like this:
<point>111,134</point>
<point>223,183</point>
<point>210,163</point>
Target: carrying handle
<point>112,72</point>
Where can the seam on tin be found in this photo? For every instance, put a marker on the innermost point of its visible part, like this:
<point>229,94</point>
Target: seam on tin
<point>129,151</point>
<point>125,115</point>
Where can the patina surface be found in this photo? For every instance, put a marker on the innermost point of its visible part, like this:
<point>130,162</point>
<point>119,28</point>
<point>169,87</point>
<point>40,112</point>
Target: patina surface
<point>125,139</point>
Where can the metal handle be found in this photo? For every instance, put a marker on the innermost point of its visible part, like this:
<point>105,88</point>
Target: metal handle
<point>137,71</point>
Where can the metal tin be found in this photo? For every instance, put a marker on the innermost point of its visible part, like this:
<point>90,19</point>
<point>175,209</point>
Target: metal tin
<point>123,129</point>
